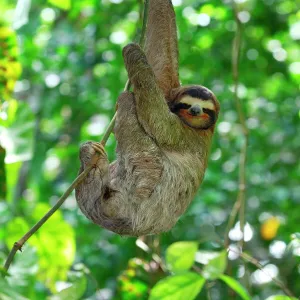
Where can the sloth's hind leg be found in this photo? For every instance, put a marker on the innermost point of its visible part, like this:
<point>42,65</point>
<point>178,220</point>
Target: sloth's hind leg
<point>97,200</point>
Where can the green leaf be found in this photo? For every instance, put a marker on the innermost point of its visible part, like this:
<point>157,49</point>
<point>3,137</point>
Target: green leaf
<point>63,4</point>
<point>184,286</point>
<point>16,132</point>
<point>14,230</point>
<point>75,291</point>
<point>22,271</point>
<point>180,256</point>
<point>24,264</point>
<point>132,282</point>
<point>203,257</point>
<point>3,272</point>
<point>281,297</point>
<point>216,266</point>
<point>296,236</point>
<point>7,292</point>
<point>55,244</point>
<point>133,288</point>
<point>236,286</point>
<point>12,175</point>
<point>3,187</point>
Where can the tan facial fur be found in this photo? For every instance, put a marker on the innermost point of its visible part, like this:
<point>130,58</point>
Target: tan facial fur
<point>203,103</point>
<point>200,121</point>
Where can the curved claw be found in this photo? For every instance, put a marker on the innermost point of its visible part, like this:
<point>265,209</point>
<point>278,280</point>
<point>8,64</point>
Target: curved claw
<point>99,148</point>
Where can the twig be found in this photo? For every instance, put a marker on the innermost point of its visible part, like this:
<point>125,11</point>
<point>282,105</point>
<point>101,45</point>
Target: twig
<point>19,244</point>
<point>239,205</point>
<point>128,84</point>
<point>140,243</point>
<point>144,27</point>
<point>256,263</point>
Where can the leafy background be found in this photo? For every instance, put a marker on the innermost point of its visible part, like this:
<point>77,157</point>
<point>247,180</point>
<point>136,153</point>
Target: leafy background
<point>72,73</point>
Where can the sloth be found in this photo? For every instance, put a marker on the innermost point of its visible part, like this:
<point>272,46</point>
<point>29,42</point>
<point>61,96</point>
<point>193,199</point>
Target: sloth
<point>163,132</point>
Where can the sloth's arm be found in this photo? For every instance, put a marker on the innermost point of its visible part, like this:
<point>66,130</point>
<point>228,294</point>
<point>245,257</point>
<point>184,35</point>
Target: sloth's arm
<point>152,109</point>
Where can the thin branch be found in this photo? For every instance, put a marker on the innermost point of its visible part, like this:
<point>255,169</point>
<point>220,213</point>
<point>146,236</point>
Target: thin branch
<point>128,84</point>
<point>145,21</point>
<point>232,216</point>
<point>239,206</point>
<point>140,243</point>
<point>257,264</point>
<point>19,244</point>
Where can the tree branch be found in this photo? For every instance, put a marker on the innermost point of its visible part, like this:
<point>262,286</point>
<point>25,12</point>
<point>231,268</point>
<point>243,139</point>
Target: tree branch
<point>19,244</point>
<point>257,264</point>
<point>239,206</point>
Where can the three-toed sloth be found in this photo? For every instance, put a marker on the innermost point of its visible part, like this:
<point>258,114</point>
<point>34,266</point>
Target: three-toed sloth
<point>163,133</point>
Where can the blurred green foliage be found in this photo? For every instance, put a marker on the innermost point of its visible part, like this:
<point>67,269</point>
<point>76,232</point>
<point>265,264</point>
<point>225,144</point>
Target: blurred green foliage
<point>72,74</point>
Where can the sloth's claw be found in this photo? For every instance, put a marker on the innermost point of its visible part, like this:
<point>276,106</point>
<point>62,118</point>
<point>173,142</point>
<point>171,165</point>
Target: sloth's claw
<point>99,148</point>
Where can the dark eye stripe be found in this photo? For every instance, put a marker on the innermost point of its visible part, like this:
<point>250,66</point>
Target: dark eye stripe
<point>211,113</point>
<point>197,92</point>
<point>178,106</point>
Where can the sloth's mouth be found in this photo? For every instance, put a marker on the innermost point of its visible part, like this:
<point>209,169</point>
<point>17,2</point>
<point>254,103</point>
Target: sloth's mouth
<point>200,116</point>
<point>189,115</point>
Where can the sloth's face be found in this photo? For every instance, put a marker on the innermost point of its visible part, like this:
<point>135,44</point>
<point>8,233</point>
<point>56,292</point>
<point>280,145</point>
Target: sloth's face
<point>196,107</point>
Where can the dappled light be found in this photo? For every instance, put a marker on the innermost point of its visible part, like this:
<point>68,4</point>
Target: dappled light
<point>61,72</point>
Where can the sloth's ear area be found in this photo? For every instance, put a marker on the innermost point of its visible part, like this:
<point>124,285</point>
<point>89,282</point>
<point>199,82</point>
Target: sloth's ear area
<point>161,44</point>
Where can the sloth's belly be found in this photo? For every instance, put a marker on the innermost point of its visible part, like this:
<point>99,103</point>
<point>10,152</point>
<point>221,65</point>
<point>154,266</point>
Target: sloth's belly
<point>172,190</point>
<point>180,181</point>
<point>178,184</point>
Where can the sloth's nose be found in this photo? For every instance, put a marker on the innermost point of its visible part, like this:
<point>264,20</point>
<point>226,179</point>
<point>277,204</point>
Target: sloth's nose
<point>195,110</point>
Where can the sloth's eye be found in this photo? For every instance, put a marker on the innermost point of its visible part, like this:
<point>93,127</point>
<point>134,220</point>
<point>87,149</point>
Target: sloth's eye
<point>179,106</point>
<point>211,113</point>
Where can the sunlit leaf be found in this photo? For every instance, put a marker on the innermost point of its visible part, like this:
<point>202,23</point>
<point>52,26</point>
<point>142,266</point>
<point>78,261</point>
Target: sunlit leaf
<point>59,254</point>
<point>203,257</point>
<point>281,297</point>
<point>16,132</point>
<point>133,288</point>
<point>180,256</point>
<point>236,286</point>
<point>63,4</point>
<point>21,13</point>
<point>3,187</point>
<point>3,272</point>
<point>72,73</point>
<point>25,263</point>
<point>75,291</point>
<point>216,266</point>
<point>55,243</point>
<point>296,235</point>
<point>23,270</point>
<point>5,32</point>
<point>7,292</point>
<point>131,284</point>
<point>14,230</point>
<point>12,176</point>
<point>184,286</point>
